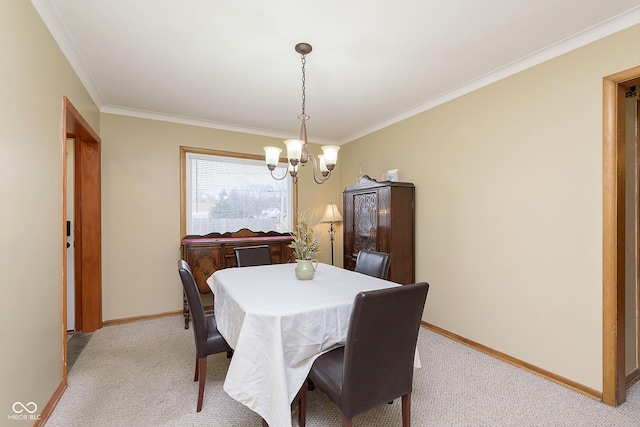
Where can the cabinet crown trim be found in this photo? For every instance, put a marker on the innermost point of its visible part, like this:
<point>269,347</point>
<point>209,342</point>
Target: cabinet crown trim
<point>367,182</point>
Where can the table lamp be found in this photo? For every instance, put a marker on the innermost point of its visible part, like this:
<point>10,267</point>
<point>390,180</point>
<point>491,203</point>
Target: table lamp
<point>331,215</point>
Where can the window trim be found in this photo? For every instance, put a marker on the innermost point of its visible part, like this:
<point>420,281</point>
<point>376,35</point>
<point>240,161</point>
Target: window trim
<point>184,150</point>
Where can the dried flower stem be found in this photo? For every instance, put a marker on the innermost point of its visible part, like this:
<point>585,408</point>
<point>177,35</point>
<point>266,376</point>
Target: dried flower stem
<point>306,240</point>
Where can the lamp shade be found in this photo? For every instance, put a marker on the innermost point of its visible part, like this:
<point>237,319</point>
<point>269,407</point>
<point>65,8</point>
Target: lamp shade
<point>331,214</point>
<point>330,155</point>
<point>272,155</point>
<point>294,150</point>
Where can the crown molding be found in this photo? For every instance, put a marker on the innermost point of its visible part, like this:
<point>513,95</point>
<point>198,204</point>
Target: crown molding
<point>597,32</point>
<point>150,115</point>
<point>51,18</point>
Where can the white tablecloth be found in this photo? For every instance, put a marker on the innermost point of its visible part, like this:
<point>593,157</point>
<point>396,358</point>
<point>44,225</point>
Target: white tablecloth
<point>278,325</point>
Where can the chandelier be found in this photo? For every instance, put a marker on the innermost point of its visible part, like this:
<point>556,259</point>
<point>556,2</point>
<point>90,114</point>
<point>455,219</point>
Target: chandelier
<point>297,149</point>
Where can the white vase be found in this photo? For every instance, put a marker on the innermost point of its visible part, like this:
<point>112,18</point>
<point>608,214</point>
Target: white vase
<point>306,268</point>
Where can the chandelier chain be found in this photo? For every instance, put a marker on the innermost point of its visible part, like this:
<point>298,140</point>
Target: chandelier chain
<point>303,60</point>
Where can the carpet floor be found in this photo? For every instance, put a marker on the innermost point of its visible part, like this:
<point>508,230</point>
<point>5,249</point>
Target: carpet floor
<point>141,374</point>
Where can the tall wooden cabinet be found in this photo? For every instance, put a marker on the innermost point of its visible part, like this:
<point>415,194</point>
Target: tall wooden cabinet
<point>380,216</point>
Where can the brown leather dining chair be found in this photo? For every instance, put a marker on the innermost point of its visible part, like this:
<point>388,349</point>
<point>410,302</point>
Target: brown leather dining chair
<point>205,331</point>
<point>248,256</point>
<point>375,366</point>
<point>373,263</point>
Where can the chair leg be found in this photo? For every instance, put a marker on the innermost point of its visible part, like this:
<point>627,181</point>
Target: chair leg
<point>202,374</point>
<point>346,422</point>
<point>302,410</point>
<point>195,376</point>
<point>406,410</point>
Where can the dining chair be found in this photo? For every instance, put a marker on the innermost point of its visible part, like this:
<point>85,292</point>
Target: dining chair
<point>373,263</point>
<point>205,331</point>
<point>248,256</point>
<point>375,366</point>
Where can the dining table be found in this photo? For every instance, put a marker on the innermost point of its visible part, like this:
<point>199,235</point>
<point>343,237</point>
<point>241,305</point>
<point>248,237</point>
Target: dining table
<point>278,325</point>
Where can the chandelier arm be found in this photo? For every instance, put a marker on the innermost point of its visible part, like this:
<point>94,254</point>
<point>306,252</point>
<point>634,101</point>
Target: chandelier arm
<point>322,179</point>
<point>314,167</point>
<point>286,172</point>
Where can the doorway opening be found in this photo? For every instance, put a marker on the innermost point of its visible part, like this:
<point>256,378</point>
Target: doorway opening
<point>85,203</point>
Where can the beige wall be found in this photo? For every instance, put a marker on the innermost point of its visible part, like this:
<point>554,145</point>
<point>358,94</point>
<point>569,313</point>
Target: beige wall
<point>141,208</point>
<point>34,77</point>
<point>509,207</point>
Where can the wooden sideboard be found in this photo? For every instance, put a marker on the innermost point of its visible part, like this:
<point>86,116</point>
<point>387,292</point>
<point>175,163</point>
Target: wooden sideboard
<point>207,254</point>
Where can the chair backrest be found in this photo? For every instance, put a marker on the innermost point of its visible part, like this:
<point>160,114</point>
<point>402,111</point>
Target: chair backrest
<point>248,256</point>
<point>380,347</point>
<point>196,308</point>
<point>373,263</point>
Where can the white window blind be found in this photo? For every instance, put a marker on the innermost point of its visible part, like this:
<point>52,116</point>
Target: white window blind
<point>226,194</point>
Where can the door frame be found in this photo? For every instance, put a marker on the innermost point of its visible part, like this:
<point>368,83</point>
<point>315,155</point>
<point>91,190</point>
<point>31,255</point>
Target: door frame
<point>637,374</point>
<point>613,238</point>
<point>87,226</point>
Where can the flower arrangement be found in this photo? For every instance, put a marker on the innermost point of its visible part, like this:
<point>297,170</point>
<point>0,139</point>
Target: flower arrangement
<point>306,240</point>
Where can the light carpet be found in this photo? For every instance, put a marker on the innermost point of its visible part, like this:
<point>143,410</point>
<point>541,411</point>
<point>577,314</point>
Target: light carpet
<point>141,374</point>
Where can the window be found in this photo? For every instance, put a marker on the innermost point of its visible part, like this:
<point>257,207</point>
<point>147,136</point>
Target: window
<point>225,192</point>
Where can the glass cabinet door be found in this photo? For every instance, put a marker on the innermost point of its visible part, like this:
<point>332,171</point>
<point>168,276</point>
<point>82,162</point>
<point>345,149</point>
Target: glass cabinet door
<point>365,221</point>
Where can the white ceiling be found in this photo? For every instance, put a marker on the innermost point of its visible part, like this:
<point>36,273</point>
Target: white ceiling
<point>232,64</point>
